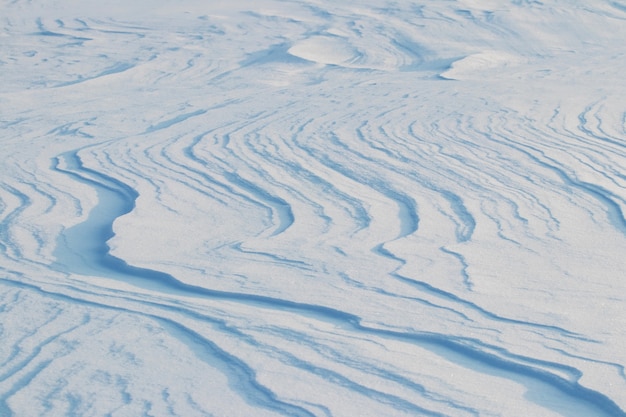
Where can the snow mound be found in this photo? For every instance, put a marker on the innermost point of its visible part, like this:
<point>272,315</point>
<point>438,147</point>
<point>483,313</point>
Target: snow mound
<point>475,65</point>
<point>330,50</point>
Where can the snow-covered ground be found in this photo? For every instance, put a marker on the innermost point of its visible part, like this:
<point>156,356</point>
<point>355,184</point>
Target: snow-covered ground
<point>313,208</point>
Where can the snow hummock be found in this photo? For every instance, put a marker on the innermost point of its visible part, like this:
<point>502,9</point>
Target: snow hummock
<point>481,65</point>
<point>331,50</point>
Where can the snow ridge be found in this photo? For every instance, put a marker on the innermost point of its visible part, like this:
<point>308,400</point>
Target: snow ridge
<point>312,209</point>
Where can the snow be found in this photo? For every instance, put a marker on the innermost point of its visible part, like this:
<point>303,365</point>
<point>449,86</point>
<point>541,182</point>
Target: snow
<point>312,208</point>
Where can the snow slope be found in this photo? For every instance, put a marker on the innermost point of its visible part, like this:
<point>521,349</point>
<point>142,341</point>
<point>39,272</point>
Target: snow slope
<point>312,208</point>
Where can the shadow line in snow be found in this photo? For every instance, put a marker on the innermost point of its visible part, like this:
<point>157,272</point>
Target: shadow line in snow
<point>83,249</point>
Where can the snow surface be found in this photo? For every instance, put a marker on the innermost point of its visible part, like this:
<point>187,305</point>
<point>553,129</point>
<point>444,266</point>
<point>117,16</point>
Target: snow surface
<point>312,208</point>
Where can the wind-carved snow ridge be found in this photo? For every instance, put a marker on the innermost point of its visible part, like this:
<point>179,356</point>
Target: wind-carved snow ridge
<point>297,209</point>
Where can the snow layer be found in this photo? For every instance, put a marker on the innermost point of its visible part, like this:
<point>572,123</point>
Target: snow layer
<point>312,208</point>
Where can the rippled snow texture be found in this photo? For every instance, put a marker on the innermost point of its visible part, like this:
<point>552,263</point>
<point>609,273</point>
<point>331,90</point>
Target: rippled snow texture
<point>320,208</point>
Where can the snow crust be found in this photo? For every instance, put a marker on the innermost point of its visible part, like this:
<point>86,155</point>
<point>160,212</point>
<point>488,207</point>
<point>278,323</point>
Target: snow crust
<point>312,208</point>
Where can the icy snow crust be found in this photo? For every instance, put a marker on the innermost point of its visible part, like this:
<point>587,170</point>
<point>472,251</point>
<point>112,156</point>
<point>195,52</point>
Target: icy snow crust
<point>320,208</point>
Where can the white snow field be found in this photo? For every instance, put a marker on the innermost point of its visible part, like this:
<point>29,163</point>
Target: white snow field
<point>313,208</point>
